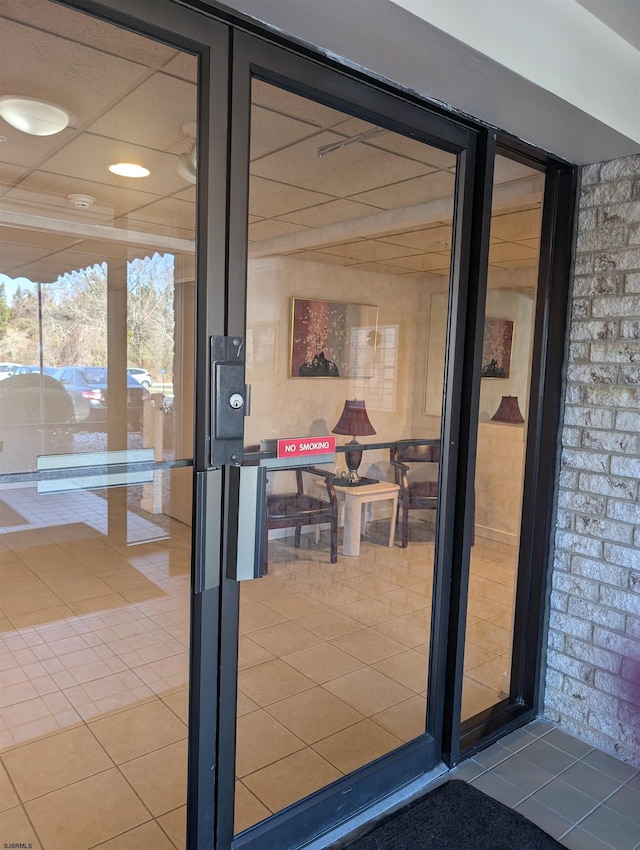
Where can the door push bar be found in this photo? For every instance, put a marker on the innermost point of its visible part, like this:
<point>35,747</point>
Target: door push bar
<point>230,400</point>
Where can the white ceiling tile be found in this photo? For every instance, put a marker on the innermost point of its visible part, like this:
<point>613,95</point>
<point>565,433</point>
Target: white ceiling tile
<point>85,86</point>
<point>271,131</point>
<point>87,157</point>
<point>39,184</point>
<point>424,262</point>
<point>331,212</point>
<point>184,65</point>
<point>270,228</point>
<point>152,115</point>
<point>506,170</point>
<point>517,225</point>
<point>287,103</point>
<point>510,251</point>
<point>368,250</point>
<point>269,199</point>
<point>438,184</point>
<point>319,257</point>
<point>430,239</point>
<point>344,172</point>
<point>85,29</point>
<point>381,268</point>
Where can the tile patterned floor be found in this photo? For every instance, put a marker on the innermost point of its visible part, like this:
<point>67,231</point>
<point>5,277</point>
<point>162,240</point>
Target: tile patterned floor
<point>586,799</point>
<point>94,652</point>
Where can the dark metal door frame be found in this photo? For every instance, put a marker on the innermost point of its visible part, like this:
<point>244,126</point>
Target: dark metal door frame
<point>253,57</point>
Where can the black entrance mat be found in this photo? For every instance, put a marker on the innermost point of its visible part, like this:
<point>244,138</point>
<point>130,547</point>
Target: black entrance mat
<point>456,816</point>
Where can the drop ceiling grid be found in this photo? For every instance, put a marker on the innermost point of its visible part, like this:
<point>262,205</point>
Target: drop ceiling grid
<point>292,188</point>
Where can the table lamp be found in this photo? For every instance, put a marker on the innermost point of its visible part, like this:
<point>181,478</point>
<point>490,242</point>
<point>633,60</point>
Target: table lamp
<point>508,411</point>
<point>354,421</point>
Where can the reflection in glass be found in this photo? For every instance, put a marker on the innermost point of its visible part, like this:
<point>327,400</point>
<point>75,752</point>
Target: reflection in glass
<point>96,314</point>
<point>504,396</point>
<point>355,220</point>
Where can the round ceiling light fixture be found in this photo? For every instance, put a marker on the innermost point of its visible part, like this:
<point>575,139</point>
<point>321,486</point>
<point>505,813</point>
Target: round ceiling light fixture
<point>128,169</point>
<point>36,117</point>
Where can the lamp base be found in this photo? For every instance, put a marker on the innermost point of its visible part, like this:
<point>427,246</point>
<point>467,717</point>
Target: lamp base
<point>344,481</point>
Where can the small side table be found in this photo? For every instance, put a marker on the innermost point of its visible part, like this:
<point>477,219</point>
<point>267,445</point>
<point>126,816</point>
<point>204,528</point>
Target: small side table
<point>354,498</point>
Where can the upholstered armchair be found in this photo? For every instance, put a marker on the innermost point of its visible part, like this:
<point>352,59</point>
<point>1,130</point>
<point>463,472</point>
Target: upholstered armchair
<point>414,494</point>
<point>295,510</point>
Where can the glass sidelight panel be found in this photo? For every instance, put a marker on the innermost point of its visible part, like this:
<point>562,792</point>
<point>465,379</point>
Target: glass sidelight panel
<point>506,371</point>
<point>350,230</point>
<point>96,424</point>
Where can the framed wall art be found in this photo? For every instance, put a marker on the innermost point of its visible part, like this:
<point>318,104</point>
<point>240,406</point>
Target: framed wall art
<point>497,344</point>
<point>326,342</point>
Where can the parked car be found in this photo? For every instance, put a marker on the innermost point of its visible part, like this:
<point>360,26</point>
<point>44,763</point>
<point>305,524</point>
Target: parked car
<point>88,388</point>
<point>141,376</point>
<point>29,370</point>
<point>8,369</point>
<point>36,418</point>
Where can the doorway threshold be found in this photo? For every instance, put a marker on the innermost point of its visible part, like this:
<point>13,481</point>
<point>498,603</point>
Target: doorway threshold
<point>344,833</point>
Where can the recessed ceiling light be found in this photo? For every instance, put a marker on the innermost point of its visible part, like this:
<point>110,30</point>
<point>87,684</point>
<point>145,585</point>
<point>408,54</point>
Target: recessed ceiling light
<point>128,169</point>
<point>32,116</point>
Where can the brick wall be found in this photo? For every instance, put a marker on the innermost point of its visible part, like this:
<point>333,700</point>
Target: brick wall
<point>593,657</point>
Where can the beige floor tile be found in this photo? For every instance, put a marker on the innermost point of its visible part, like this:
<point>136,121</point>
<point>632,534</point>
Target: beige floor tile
<point>485,609</point>
<point>262,740</point>
<point>272,681</point>
<point>368,645</point>
<point>175,825</point>
<point>76,590</point>
<point>505,619</point>
<point>294,605</point>
<point>368,691</point>
<point>329,624</point>
<point>248,809</point>
<point>97,603</point>
<point>284,638</point>
<point>492,673</point>
<point>87,812</point>
<point>160,777</point>
<point>406,720</point>
<point>406,629</point>
<point>139,730</point>
<point>369,584</point>
<point>475,655</point>
<point>334,595</point>
<point>291,779</point>
<point>357,745</point>
<point>16,829</point>
<point>258,616</point>
<point>323,662</point>
<point>178,702</point>
<point>267,588</point>
<point>489,636</point>
<point>251,653</point>
<point>23,602</point>
<point>476,697</point>
<point>403,600</point>
<point>245,705</point>
<point>149,836</point>
<point>314,714</point>
<point>409,668</point>
<point>369,611</point>
<point>8,796</point>
<point>55,761</point>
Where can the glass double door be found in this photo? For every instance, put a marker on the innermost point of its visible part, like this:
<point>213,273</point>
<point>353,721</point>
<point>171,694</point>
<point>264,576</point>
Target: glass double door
<point>181,658</point>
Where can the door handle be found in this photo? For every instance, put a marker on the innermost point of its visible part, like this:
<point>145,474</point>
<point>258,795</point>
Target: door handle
<point>230,399</point>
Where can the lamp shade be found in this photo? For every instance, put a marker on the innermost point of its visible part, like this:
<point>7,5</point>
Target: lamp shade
<point>354,420</point>
<point>508,411</point>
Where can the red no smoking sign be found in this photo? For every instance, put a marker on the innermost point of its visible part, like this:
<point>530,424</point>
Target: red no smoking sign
<point>300,446</point>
